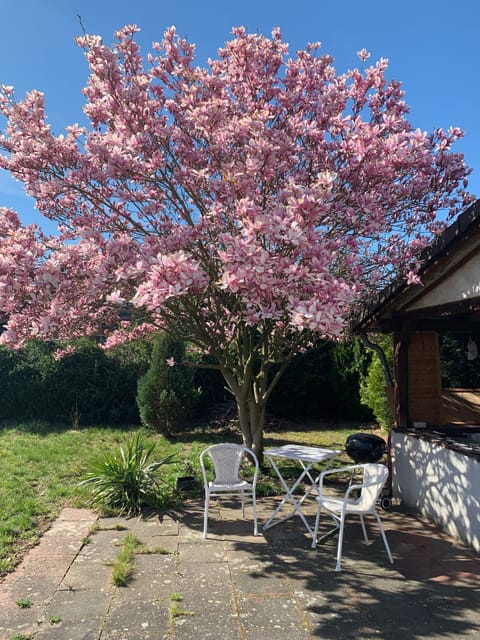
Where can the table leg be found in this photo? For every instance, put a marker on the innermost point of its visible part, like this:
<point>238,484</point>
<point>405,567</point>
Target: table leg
<point>271,522</point>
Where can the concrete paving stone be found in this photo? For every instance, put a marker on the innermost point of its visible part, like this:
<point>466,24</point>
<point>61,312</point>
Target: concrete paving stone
<point>155,564</point>
<point>22,630</point>
<point>71,527</point>
<point>167,544</point>
<point>86,574</point>
<point>192,523</point>
<point>66,631</point>
<point>104,546</point>
<point>370,610</point>
<point>14,619</point>
<point>276,634</point>
<point>253,544</point>
<point>39,563</point>
<point>72,514</point>
<point>247,583</point>
<point>154,577</point>
<point>202,571</point>
<point>155,524</point>
<point>187,534</point>
<point>140,635</point>
<point>241,561</point>
<point>270,614</point>
<point>205,551</point>
<point>82,607</point>
<point>114,522</point>
<point>208,625</point>
<point>234,584</point>
<point>67,541</point>
<point>146,618</point>
<point>153,538</point>
<point>205,589</point>
<point>38,589</point>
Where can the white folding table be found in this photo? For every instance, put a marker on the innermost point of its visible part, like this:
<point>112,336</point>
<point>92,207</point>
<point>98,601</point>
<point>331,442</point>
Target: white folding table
<point>307,457</point>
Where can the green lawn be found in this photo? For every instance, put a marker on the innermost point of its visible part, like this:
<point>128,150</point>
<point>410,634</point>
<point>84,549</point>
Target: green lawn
<point>40,468</point>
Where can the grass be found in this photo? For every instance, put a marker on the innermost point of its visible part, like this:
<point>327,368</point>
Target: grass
<point>42,466</point>
<point>24,603</point>
<point>124,565</point>
<point>39,475</point>
<point>175,610</point>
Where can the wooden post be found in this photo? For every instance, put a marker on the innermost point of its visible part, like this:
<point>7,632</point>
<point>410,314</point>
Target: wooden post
<point>400,363</point>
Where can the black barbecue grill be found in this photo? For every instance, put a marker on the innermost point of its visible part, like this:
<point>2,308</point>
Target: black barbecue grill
<point>363,448</point>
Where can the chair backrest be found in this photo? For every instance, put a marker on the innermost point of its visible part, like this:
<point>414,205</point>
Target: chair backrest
<point>374,477</point>
<point>226,458</point>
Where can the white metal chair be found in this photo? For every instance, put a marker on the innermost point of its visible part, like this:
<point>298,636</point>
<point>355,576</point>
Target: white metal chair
<point>226,459</point>
<point>361,503</point>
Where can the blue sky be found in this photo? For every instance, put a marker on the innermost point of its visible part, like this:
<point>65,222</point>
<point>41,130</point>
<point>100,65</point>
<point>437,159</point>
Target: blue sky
<point>432,47</point>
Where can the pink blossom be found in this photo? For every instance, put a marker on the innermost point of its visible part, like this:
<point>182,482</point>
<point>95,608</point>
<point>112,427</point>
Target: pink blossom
<point>245,206</point>
<point>62,353</point>
<point>363,54</point>
<point>170,362</point>
<point>413,278</point>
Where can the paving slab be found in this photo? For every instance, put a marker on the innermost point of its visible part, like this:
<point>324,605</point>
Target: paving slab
<point>234,586</point>
<point>144,619</point>
<point>154,576</point>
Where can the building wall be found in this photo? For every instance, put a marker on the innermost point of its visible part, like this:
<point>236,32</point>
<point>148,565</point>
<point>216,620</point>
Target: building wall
<point>441,484</point>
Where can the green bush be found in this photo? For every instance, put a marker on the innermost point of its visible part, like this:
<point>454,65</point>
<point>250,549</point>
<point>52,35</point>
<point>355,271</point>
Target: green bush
<point>87,386</point>
<point>372,386</point>
<point>320,383</point>
<point>166,394</point>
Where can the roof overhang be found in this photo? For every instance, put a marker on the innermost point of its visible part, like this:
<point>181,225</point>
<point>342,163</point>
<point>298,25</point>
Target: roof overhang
<point>449,295</point>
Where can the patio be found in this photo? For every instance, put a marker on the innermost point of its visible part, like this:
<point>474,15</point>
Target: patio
<point>236,586</point>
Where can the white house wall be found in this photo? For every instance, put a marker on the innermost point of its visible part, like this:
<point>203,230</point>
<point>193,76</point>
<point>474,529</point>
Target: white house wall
<point>441,484</point>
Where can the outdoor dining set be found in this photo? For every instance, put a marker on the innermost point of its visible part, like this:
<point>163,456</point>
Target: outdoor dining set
<point>366,481</point>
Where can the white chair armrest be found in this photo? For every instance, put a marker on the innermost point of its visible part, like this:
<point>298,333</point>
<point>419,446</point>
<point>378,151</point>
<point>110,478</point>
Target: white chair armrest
<point>328,472</point>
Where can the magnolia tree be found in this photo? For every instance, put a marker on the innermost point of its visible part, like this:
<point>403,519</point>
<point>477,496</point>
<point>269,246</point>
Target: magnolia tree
<point>243,206</point>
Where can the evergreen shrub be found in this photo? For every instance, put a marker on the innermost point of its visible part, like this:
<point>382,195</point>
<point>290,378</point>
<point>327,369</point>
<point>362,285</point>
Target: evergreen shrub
<point>166,395</point>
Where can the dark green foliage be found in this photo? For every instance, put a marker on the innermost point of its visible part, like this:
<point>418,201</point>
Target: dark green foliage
<point>321,383</point>
<point>126,481</point>
<point>166,394</point>
<point>211,383</point>
<point>349,360</point>
<point>85,387</point>
<point>91,386</point>
<point>456,369</point>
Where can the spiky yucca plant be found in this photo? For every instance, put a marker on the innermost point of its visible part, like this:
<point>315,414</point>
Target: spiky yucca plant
<point>125,481</point>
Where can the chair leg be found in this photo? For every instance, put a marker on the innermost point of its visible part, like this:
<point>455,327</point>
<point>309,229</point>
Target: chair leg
<point>340,543</point>
<point>364,529</point>
<point>384,538</point>
<point>205,516</point>
<point>315,529</point>
<point>254,502</point>
<point>243,505</point>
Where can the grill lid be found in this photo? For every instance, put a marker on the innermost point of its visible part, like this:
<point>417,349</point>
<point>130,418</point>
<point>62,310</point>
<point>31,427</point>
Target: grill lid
<point>365,447</point>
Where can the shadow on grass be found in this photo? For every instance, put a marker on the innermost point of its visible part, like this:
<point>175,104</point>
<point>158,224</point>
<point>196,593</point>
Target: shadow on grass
<point>42,427</point>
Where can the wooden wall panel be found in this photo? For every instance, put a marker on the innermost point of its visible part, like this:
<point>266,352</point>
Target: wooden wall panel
<point>461,406</point>
<point>424,380</point>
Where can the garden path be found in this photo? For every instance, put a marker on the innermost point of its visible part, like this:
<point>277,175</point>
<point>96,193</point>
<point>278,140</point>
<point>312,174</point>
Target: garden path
<point>234,586</point>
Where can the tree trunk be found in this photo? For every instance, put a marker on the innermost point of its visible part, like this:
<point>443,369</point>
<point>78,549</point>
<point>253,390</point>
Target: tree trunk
<point>252,421</point>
